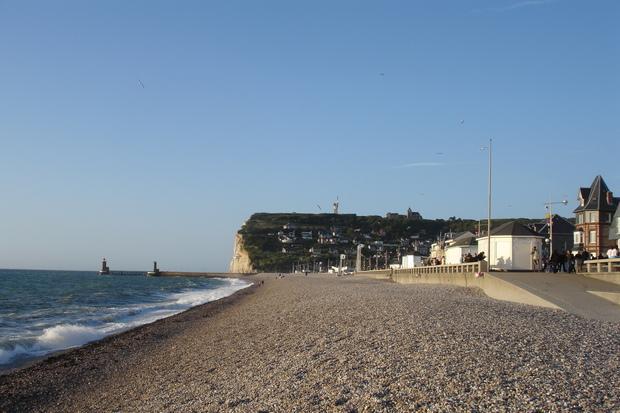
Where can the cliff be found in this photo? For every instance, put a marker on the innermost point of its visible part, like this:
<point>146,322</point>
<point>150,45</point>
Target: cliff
<point>240,262</point>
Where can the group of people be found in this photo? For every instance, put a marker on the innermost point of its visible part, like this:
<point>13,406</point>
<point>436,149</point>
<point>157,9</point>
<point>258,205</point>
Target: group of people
<point>473,258</point>
<point>565,261</point>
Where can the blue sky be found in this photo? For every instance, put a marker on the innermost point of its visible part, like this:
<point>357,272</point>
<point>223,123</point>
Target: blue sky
<point>152,129</point>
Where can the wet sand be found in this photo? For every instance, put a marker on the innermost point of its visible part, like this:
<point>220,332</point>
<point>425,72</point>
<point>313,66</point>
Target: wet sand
<point>324,343</point>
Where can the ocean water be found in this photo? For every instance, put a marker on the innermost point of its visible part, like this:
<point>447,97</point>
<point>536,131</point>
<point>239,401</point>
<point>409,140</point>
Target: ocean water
<point>46,311</point>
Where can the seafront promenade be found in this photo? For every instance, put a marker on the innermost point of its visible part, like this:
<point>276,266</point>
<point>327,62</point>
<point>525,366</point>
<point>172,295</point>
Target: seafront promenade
<point>589,295</point>
<point>325,343</point>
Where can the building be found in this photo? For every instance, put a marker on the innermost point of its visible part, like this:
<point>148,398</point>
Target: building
<point>593,217</point>
<point>413,215</point>
<point>460,246</point>
<point>614,229</point>
<point>511,247</point>
<point>563,232</point>
<point>410,261</point>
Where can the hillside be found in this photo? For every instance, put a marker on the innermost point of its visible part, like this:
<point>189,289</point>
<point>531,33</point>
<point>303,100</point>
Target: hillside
<point>277,242</point>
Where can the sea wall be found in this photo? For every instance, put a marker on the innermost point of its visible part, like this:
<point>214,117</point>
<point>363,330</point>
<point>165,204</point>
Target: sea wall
<point>240,262</point>
<point>493,286</point>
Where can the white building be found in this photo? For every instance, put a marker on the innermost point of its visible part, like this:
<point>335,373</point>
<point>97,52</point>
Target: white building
<point>511,247</point>
<point>410,261</point>
<point>460,246</point>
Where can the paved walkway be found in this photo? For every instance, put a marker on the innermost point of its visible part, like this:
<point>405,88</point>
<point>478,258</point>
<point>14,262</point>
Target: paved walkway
<point>572,293</point>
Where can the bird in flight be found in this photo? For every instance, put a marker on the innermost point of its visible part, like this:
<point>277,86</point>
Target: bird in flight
<point>381,74</point>
<point>462,121</point>
<point>140,83</point>
<point>438,153</point>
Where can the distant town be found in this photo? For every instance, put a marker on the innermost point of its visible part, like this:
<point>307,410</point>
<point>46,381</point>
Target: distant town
<point>298,242</point>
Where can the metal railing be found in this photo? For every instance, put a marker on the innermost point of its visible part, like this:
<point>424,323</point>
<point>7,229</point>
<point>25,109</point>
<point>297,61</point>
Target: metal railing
<point>604,265</point>
<point>464,268</point>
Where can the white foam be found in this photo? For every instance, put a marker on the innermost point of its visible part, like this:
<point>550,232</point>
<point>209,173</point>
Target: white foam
<point>64,336</point>
<point>67,335</point>
<point>7,355</point>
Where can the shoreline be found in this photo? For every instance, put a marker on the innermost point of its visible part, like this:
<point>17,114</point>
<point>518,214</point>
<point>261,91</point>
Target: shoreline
<point>58,355</point>
<point>324,343</point>
<point>25,362</point>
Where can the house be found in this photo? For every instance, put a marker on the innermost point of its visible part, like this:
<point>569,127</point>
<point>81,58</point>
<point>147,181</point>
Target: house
<point>511,246</point>
<point>413,215</point>
<point>593,217</point>
<point>614,229</point>
<point>563,232</point>
<point>462,245</point>
<point>306,235</point>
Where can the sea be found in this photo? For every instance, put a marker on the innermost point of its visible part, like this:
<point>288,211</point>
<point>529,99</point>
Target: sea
<point>46,311</point>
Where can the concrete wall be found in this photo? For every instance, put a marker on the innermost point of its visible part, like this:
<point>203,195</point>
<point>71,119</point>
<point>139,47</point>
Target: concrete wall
<point>492,286</point>
<point>377,275</point>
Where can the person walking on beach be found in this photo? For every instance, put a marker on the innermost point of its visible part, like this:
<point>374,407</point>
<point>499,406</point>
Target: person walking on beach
<point>535,259</point>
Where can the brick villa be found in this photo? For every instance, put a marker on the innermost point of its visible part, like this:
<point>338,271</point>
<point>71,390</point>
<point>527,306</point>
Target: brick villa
<point>593,217</point>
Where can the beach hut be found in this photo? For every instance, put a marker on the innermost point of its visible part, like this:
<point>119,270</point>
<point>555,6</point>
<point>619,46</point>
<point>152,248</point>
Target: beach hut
<point>511,246</point>
<point>460,246</point>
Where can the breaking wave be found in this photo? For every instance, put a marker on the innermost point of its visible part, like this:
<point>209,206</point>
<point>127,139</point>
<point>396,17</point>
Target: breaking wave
<point>68,334</point>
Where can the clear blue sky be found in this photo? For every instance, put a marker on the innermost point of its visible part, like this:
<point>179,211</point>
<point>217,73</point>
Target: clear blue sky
<point>281,105</point>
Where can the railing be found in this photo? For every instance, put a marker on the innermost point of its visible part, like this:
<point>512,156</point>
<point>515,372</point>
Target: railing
<point>464,268</point>
<point>605,265</point>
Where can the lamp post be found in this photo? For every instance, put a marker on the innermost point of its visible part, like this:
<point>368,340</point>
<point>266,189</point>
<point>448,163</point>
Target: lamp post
<point>548,206</point>
<point>490,149</point>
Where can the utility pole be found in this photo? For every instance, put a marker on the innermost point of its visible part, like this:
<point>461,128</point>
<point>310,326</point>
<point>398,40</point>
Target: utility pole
<point>490,189</point>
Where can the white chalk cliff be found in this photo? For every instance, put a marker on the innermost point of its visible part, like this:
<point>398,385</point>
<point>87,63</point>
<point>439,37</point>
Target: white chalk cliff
<point>240,262</point>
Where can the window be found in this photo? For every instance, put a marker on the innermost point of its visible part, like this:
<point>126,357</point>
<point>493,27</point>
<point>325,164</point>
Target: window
<point>577,237</point>
<point>592,237</point>
<point>580,218</point>
<point>592,216</point>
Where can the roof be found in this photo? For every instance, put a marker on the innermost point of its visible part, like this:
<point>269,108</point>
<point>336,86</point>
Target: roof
<point>513,229</point>
<point>596,198</point>
<point>560,226</point>
<point>464,241</point>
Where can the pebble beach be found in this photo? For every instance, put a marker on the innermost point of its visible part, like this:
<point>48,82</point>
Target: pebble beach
<point>342,344</point>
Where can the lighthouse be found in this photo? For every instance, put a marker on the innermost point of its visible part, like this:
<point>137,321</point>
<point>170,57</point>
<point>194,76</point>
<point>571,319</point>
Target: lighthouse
<point>105,270</point>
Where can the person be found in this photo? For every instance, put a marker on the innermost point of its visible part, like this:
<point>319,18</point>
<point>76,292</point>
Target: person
<point>613,253</point>
<point>554,261</point>
<point>535,259</point>
<point>545,260</point>
<point>562,264</point>
<point>570,262</point>
<point>585,255</point>
<point>579,261</point>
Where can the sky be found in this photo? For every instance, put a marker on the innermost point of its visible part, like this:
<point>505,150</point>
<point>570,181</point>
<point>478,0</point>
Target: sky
<point>151,130</point>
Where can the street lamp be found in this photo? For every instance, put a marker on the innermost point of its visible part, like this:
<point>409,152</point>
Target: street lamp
<point>490,149</point>
<point>548,206</point>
